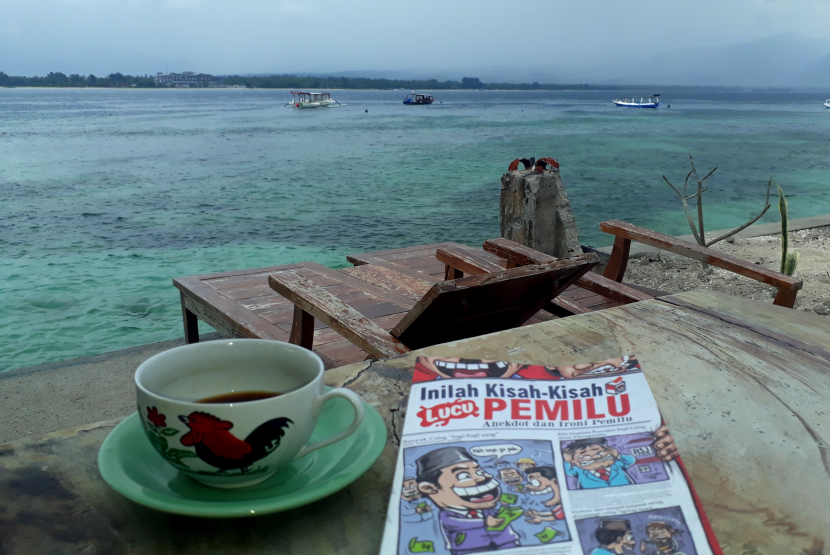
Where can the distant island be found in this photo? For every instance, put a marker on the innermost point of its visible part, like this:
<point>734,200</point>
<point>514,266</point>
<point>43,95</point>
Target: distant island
<point>57,79</point>
<point>203,80</point>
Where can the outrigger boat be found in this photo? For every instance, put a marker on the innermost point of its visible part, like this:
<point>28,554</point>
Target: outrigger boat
<point>642,102</point>
<point>303,100</point>
<point>415,99</point>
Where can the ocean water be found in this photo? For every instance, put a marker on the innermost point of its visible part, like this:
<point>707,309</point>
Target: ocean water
<point>106,195</point>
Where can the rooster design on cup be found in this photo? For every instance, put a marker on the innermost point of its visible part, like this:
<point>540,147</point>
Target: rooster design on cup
<point>216,446</point>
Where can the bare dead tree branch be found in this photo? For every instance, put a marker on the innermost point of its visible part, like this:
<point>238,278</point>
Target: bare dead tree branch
<point>702,236</point>
<point>690,197</point>
<point>685,206</point>
<point>747,224</point>
<point>698,231</point>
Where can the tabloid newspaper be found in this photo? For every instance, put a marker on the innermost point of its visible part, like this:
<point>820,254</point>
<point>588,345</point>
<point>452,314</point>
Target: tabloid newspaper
<point>527,459</point>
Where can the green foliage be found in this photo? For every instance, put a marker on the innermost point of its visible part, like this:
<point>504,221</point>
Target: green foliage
<point>789,260</point>
<point>471,83</point>
<point>57,79</point>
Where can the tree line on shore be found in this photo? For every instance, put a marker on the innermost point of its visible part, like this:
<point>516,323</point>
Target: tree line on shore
<point>58,79</point>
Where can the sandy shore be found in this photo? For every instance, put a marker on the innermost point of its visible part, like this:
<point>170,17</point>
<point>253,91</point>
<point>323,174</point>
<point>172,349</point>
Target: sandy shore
<point>675,274</point>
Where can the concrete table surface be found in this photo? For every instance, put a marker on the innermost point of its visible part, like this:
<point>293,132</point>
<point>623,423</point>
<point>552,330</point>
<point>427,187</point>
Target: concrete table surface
<point>743,386</point>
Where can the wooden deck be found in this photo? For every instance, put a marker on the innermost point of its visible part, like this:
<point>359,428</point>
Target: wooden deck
<point>241,303</point>
<point>421,261</point>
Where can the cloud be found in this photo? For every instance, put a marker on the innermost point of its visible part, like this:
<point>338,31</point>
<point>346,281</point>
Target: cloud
<point>295,8</point>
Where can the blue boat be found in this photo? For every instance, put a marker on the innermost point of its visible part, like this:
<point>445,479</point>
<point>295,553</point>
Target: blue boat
<point>642,102</point>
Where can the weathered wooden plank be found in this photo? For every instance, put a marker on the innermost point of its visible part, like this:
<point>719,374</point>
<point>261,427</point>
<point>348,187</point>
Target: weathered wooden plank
<point>356,258</point>
<point>610,289</point>
<point>433,277</point>
<point>226,316</point>
<point>246,292</point>
<point>251,291</point>
<point>302,330</point>
<point>402,284</point>
<point>617,264</point>
<point>191,323</point>
<point>248,278</point>
<point>467,261</point>
<point>516,253</point>
<point>340,317</point>
<point>522,255</point>
<point>268,302</point>
<point>563,306</point>
<point>360,285</point>
<point>423,263</point>
<point>249,271</point>
<point>486,303</point>
<point>343,351</point>
<point>576,293</point>
<point>787,286</point>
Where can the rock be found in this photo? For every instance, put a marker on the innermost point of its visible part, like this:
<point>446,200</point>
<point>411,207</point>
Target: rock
<point>821,309</point>
<point>535,212</point>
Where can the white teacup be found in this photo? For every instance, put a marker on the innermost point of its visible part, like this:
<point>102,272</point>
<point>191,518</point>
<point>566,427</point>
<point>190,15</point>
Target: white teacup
<point>235,444</point>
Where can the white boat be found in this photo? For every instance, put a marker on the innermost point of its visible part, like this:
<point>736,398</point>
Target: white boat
<point>303,100</point>
<point>827,103</point>
<point>641,102</point>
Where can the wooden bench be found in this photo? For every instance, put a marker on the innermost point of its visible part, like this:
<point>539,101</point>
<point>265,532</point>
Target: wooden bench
<point>624,233</point>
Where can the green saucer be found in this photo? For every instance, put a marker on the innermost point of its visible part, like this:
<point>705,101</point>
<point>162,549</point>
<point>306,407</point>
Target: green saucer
<point>130,465</point>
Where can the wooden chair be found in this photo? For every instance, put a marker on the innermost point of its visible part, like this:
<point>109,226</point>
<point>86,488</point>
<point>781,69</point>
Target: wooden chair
<point>450,310</point>
<point>590,293</point>
<point>624,233</point>
<point>459,261</point>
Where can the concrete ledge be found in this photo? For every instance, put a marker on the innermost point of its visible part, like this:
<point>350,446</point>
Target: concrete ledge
<point>50,397</point>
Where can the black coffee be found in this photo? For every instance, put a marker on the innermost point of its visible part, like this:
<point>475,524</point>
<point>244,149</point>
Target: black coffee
<point>239,397</point>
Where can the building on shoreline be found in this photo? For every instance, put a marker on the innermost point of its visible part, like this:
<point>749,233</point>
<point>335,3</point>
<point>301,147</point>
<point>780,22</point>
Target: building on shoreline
<point>188,79</point>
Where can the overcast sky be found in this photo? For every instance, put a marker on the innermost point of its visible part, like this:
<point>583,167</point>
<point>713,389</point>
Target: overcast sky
<point>441,36</point>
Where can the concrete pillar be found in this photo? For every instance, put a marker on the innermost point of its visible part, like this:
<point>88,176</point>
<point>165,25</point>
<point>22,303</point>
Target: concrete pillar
<point>535,212</point>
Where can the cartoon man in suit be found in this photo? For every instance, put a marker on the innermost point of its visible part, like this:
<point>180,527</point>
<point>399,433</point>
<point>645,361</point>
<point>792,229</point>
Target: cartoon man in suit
<point>596,465</point>
<point>468,499</point>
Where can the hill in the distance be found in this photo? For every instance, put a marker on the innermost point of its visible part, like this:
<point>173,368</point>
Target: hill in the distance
<point>785,60</point>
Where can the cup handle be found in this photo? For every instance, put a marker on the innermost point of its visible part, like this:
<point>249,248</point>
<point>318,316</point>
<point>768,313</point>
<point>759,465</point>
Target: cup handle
<point>357,405</point>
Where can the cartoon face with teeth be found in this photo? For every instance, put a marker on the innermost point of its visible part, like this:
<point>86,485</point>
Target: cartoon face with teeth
<point>511,476</point>
<point>454,367</point>
<point>592,456</point>
<point>468,499</point>
<point>462,484</point>
<point>541,480</point>
<point>595,464</point>
<point>429,368</point>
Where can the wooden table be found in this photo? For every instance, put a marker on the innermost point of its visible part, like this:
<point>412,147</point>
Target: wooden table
<point>744,387</point>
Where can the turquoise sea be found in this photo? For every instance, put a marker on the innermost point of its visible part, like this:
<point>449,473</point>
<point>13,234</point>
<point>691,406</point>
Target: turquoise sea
<point>106,195</point>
